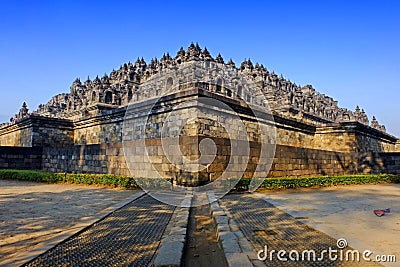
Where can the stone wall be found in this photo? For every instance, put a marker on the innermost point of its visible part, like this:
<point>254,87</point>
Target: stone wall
<point>341,137</point>
<point>19,135</point>
<point>105,127</point>
<point>21,158</point>
<point>296,162</point>
<point>50,132</point>
<point>353,137</point>
<point>99,158</point>
<point>288,161</point>
<point>391,162</point>
<point>36,131</point>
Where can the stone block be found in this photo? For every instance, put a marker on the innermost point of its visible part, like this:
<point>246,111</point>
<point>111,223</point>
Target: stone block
<point>231,246</point>
<point>223,219</point>
<point>227,236</point>
<point>169,254</point>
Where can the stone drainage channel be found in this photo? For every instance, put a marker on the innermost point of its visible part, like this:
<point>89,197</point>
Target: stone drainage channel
<point>228,232</point>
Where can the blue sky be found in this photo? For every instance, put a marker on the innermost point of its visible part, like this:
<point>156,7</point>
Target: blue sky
<point>348,50</point>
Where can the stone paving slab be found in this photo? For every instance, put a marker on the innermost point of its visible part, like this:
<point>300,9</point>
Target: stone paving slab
<point>265,225</point>
<point>36,216</point>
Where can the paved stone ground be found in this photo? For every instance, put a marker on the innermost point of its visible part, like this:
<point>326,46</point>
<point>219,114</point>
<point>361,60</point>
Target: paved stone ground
<point>263,224</point>
<point>127,237</point>
<point>32,215</point>
<point>347,212</point>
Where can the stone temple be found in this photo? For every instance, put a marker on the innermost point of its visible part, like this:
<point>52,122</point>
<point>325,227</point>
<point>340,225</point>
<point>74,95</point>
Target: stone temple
<point>83,131</point>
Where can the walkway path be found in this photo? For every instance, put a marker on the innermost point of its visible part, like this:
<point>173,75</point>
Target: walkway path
<point>263,224</point>
<point>127,237</point>
<point>347,212</point>
<point>37,216</point>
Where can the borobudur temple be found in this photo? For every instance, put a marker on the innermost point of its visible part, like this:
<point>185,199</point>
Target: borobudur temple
<point>84,131</point>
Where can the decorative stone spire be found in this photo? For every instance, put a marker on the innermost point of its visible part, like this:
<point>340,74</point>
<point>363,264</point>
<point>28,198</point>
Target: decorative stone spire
<point>77,82</point>
<point>181,53</point>
<point>231,63</point>
<point>374,123</point>
<point>246,65</point>
<point>250,64</point>
<point>87,82</point>
<point>219,59</point>
<point>137,63</point>
<point>180,56</point>
<point>166,58</point>
<point>143,63</point>
<point>198,48</point>
<point>23,112</point>
<point>140,66</point>
<point>105,79</point>
<point>153,63</point>
<point>265,69</point>
<point>193,52</point>
<point>364,117</point>
<point>96,80</point>
<point>191,47</point>
<point>206,55</point>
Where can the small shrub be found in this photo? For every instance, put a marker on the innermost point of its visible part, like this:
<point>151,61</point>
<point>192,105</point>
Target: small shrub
<point>89,179</point>
<point>242,185</point>
<point>27,175</point>
<point>322,181</point>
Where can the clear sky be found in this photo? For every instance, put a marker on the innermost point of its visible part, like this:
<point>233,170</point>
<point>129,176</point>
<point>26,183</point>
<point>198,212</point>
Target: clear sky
<point>348,50</point>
